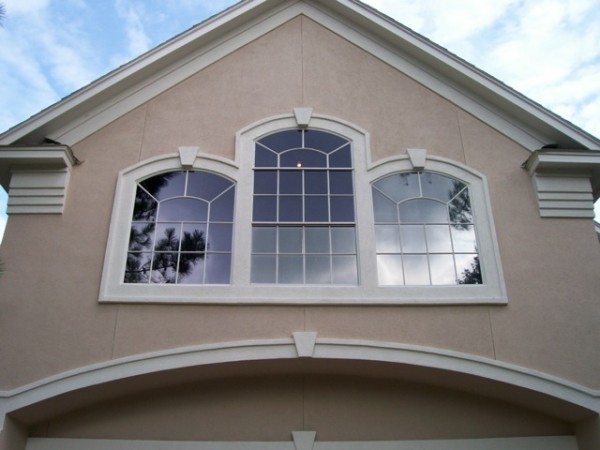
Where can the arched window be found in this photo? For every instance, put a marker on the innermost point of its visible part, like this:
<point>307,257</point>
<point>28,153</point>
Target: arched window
<point>303,218</point>
<point>181,229</point>
<point>424,231</point>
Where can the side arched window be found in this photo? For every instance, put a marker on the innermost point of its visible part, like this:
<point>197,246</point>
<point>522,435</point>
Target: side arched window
<point>181,229</point>
<point>424,231</point>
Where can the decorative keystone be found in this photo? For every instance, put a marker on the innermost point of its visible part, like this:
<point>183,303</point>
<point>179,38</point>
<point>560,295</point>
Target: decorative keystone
<point>304,440</point>
<point>417,156</point>
<point>187,155</point>
<point>303,116</point>
<point>305,343</point>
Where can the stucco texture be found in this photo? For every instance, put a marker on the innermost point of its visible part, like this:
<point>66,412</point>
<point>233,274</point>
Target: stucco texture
<point>50,318</point>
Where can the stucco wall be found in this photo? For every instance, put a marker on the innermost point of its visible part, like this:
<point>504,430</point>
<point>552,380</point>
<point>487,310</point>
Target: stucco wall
<point>50,320</point>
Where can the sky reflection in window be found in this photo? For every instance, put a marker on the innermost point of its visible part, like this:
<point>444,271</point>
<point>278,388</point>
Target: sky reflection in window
<point>303,210</point>
<point>424,231</point>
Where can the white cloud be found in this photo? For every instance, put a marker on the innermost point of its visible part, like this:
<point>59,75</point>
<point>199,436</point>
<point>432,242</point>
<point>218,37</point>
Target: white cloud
<point>24,6</point>
<point>133,14</point>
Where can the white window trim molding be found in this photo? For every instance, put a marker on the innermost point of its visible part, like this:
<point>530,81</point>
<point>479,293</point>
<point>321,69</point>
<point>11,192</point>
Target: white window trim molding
<point>241,290</point>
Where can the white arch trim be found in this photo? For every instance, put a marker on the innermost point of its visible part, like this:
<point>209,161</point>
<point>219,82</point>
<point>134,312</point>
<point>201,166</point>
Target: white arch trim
<point>303,344</point>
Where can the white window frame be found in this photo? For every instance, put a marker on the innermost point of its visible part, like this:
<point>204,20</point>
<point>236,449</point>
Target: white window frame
<point>241,291</point>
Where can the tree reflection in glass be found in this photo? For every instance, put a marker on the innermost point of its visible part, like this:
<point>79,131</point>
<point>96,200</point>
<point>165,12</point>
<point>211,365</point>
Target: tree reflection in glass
<point>174,237</point>
<point>425,233</point>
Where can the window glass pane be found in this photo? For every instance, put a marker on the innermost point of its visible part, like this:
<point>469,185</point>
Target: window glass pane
<point>342,240</point>
<point>422,211</point>
<point>165,185</point>
<point>290,269</point>
<point>438,239</point>
<point>460,208</point>
<point>306,158</point>
<point>344,270</point>
<point>316,209</point>
<point>318,269</point>
<point>218,268</point>
<point>290,208</point>
<point>340,182</point>
<point>283,140</point>
<point>341,157</point>
<point>167,237</point>
<point>416,270</point>
<point>206,185</point>
<point>219,237</point>
<point>137,269</point>
<point>442,269</point>
<point>413,238</point>
<point>315,182</point>
<point>264,208</point>
<point>191,268</point>
<point>322,141</point>
<point>141,236</point>
<point>194,238</point>
<point>317,240</point>
<point>290,182</point>
<point>290,240</point>
<point>468,269</point>
<point>385,209</point>
<point>400,186</point>
<point>463,238</point>
<point>221,209</point>
<point>265,158</point>
<point>183,209</point>
<point>145,206</point>
<point>263,269</point>
<point>387,239</point>
<point>265,182</point>
<point>342,209</point>
<point>264,240</point>
<point>440,187</point>
<point>389,270</point>
<point>164,267</point>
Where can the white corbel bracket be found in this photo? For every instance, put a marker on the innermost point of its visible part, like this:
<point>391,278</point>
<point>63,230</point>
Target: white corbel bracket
<point>566,182</point>
<point>305,343</point>
<point>303,116</point>
<point>418,158</point>
<point>36,177</point>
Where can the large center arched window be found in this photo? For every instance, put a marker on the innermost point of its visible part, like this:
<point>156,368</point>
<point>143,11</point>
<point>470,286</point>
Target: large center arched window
<point>303,215</point>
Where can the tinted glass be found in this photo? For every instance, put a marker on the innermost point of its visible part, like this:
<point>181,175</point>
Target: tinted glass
<point>290,270</point>
<point>263,268</point>
<point>387,239</point>
<point>342,209</point>
<point>183,209</point>
<point>167,237</point>
<point>264,157</point>
<point>442,269</point>
<point>341,157</point>
<point>290,240</point>
<point>389,270</point>
<point>316,209</point>
<point>218,268</point>
<point>385,209</point>
<point>206,185</point>
<point>422,211</point>
<point>264,208</point>
<point>416,270</point>
<point>468,269</point>
<point>283,140</point>
<point>145,206</point>
<point>317,240</point>
<point>315,182</point>
<point>342,240</point>
<point>303,158</point>
<point>438,239</point>
<point>340,182</point>
<point>344,269</point>
<point>400,186</point>
<point>264,240</point>
<point>290,182</point>
<point>318,269</point>
<point>440,187</point>
<point>141,236</point>
<point>290,208</point>
<point>166,185</point>
<point>221,209</point>
<point>320,140</point>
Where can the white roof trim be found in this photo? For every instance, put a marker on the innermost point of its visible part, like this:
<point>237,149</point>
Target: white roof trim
<point>129,86</point>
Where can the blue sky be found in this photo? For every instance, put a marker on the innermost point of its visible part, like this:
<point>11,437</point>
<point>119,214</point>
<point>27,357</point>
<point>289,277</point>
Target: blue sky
<point>547,49</point>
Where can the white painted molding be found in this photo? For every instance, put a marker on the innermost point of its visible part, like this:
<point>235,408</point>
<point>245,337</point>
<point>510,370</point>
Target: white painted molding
<point>520,443</point>
<point>565,181</point>
<point>304,440</point>
<point>303,116</point>
<point>39,177</point>
<point>273,349</point>
<point>418,158</point>
<point>305,343</point>
<point>187,156</point>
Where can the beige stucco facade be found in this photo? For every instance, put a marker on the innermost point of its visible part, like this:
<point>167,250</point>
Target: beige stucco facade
<point>51,320</point>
